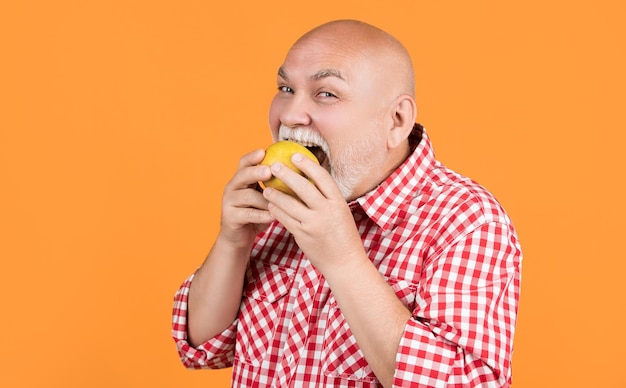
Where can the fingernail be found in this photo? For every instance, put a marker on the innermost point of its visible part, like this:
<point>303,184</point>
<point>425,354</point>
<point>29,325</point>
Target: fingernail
<point>296,157</point>
<point>275,167</point>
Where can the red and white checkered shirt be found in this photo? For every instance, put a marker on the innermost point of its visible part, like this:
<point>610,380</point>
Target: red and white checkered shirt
<point>447,249</point>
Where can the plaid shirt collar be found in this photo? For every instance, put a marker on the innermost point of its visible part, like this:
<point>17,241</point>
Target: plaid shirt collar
<point>383,204</point>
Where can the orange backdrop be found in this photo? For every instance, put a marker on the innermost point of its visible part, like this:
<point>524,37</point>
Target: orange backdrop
<point>120,121</point>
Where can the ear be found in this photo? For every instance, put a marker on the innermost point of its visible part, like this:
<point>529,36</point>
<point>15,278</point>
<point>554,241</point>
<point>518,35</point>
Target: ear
<point>403,114</point>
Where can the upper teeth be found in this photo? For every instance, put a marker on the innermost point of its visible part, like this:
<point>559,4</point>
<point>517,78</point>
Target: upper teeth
<point>304,143</point>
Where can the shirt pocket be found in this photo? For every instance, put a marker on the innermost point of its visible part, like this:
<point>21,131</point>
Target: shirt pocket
<point>341,355</point>
<point>261,309</point>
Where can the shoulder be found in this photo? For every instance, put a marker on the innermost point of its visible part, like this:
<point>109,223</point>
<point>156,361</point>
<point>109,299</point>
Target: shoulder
<point>454,193</point>
<point>448,206</point>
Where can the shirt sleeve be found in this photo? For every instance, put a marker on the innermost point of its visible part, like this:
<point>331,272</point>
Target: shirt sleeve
<point>216,353</point>
<point>461,332</point>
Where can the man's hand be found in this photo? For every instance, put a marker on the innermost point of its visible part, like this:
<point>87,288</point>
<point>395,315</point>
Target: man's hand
<point>244,210</point>
<point>321,221</point>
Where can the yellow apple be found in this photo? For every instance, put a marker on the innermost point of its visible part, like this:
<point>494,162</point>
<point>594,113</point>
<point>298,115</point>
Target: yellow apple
<point>281,151</point>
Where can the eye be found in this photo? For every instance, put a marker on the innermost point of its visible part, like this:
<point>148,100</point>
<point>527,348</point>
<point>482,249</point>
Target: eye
<point>326,95</point>
<point>285,89</point>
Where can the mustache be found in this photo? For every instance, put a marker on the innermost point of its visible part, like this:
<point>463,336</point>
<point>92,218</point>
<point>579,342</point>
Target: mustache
<point>306,136</point>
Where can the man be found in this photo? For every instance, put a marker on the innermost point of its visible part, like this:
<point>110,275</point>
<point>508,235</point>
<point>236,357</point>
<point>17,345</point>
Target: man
<point>388,270</point>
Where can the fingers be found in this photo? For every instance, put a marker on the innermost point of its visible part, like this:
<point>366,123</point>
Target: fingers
<point>288,210</point>
<point>249,172</point>
<point>284,207</point>
<point>247,197</point>
<point>291,211</point>
<point>251,158</point>
<point>324,185</point>
<point>323,180</point>
<point>242,202</point>
<point>250,215</point>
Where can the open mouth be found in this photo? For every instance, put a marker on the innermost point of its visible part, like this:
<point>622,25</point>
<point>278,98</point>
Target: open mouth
<point>318,152</point>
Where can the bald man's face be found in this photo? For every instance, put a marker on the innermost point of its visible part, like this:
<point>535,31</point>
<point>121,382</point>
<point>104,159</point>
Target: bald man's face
<point>333,95</point>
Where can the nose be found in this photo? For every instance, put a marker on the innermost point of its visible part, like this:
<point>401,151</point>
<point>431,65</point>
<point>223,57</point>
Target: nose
<point>295,112</point>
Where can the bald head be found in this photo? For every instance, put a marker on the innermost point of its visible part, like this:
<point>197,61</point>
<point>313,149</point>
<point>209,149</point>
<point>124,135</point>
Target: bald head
<point>385,54</point>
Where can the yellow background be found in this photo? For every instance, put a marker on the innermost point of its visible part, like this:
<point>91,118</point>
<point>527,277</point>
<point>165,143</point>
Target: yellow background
<point>120,122</point>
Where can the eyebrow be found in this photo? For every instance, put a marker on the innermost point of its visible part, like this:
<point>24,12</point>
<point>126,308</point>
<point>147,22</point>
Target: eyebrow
<point>282,74</point>
<point>324,73</point>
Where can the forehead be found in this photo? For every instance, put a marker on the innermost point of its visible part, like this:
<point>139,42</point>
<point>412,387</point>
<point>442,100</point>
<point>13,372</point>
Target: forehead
<point>320,57</point>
